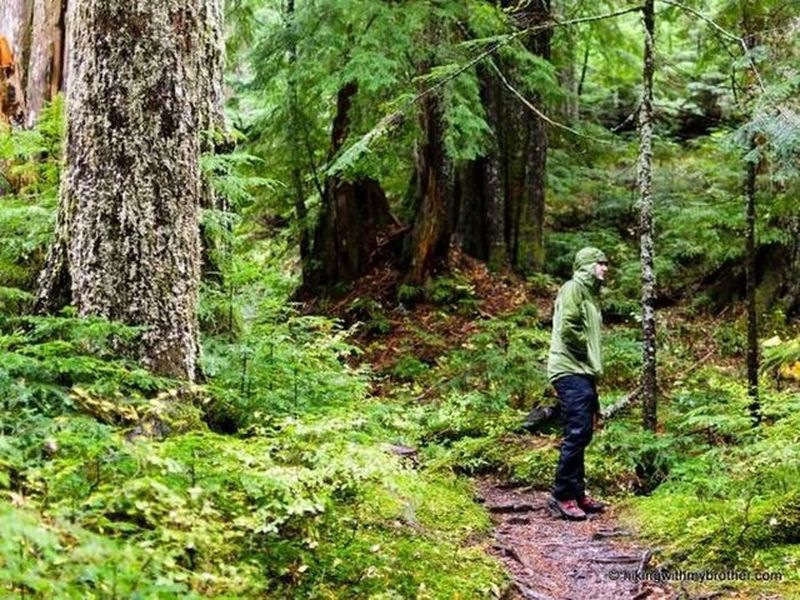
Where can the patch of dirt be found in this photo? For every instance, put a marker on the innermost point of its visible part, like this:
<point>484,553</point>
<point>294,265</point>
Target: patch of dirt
<point>426,330</point>
<point>554,559</point>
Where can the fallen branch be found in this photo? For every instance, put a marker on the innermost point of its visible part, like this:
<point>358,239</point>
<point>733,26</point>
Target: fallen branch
<point>620,404</point>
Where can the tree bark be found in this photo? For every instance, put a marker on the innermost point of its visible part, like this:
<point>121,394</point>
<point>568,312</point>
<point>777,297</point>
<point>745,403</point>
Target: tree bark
<point>430,236</point>
<point>469,209</point>
<point>351,217</point>
<point>750,286</point>
<point>127,243</point>
<point>528,244</point>
<point>36,32</point>
<point>492,184</point>
<point>15,25</point>
<point>645,178</point>
<point>15,31</point>
<point>479,196</point>
<point>46,65</point>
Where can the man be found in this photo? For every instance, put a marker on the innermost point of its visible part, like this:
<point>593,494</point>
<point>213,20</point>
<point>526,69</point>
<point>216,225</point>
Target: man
<point>573,367</point>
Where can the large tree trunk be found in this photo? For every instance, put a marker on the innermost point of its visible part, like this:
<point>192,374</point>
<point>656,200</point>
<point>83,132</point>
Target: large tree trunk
<point>479,199</point>
<point>352,217</point>
<point>128,238</point>
<point>529,253</point>
<point>469,210</point>
<point>645,177</point>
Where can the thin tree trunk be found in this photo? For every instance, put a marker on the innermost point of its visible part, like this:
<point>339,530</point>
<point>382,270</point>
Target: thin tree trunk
<point>750,276</point>
<point>128,244</point>
<point>649,383</point>
<point>579,90</point>
<point>301,213</point>
<point>749,24</point>
<point>567,77</point>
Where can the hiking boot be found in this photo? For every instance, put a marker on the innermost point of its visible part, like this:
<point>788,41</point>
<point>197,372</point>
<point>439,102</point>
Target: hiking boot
<point>565,509</point>
<point>590,505</point>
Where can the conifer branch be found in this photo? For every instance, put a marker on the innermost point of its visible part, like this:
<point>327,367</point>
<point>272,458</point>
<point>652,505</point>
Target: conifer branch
<point>392,120</point>
<point>535,110</point>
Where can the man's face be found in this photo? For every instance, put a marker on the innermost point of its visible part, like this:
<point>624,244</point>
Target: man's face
<point>600,269</point>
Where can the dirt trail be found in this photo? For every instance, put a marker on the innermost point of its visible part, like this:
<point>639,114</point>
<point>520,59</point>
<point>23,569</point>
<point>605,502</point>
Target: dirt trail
<point>554,559</point>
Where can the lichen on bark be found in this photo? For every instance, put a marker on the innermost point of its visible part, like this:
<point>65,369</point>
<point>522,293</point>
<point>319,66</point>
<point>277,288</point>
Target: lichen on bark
<point>138,98</point>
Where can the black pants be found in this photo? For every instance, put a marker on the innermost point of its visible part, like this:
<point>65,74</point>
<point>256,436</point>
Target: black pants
<point>577,396</point>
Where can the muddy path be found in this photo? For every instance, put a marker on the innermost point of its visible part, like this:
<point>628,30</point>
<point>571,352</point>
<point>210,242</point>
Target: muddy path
<point>554,559</point>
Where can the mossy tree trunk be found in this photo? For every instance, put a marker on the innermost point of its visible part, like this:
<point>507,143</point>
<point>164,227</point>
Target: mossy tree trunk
<point>645,178</point>
<point>127,245</point>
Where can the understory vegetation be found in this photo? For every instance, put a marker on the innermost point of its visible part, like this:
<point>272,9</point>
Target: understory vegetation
<point>296,468</point>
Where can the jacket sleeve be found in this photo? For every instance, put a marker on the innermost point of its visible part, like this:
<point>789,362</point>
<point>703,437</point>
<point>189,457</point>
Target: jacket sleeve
<point>573,322</point>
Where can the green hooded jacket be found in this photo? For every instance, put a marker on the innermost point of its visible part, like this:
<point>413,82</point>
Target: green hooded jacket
<point>575,344</point>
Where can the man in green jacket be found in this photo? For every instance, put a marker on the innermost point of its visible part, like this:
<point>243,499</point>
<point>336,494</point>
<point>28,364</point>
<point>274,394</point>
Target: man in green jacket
<point>574,364</point>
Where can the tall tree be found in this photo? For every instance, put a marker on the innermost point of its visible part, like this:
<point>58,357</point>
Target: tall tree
<point>751,171</point>
<point>529,235</point>
<point>298,189</point>
<point>127,245</point>
<point>645,178</point>
<point>750,283</point>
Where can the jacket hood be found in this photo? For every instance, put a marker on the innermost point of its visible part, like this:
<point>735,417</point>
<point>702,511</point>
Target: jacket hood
<point>583,266</point>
